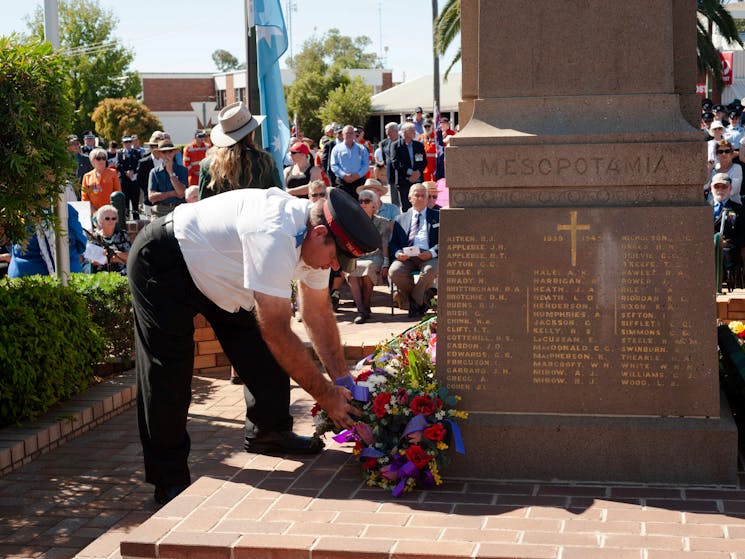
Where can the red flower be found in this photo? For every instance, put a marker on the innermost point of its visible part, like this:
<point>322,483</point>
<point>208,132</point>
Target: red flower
<point>435,432</point>
<point>438,403</point>
<point>315,409</point>
<point>417,456</point>
<point>423,405</point>
<point>363,376</point>
<point>741,335</point>
<point>369,463</point>
<point>380,402</point>
<point>402,397</point>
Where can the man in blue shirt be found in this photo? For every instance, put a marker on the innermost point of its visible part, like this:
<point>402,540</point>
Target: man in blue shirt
<point>350,162</point>
<point>167,184</point>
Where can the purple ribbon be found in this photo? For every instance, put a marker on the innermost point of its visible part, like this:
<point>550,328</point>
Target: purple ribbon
<point>359,393</point>
<point>416,423</point>
<point>345,436</point>
<point>457,437</point>
<point>369,452</point>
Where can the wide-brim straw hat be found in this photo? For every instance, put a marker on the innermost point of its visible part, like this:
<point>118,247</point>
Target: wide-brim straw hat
<point>235,122</point>
<point>373,184</point>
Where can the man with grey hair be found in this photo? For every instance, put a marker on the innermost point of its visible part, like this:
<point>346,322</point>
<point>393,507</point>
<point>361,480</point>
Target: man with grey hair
<point>409,161</point>
<point>350,162</point>
<point>386,145</point>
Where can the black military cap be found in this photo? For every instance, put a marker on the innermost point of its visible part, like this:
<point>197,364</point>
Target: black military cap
<point>734,113</point>
<point>350,227</point>
<point>707,116</point>
<point>707,104</point>
<point>720,108</point>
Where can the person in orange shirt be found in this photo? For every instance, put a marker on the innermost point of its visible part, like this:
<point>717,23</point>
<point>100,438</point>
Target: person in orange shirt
<point>430,148</point>
<point>100,183</point>
<point>193,154</point>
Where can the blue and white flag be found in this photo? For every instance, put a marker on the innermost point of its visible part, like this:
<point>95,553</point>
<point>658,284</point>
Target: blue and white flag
<point>271,44</point>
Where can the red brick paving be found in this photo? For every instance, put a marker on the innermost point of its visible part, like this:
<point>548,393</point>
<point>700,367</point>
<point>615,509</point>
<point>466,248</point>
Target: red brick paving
<point>86,498</point>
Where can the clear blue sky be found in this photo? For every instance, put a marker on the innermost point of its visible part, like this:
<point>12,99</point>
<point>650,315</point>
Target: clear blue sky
<point>180,36</point>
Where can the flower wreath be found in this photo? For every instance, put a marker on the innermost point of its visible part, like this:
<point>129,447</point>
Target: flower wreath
<point>408,419</point>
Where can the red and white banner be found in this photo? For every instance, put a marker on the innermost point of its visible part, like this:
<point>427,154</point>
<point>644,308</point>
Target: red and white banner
<point>700,89</point>
<point>728,63</point>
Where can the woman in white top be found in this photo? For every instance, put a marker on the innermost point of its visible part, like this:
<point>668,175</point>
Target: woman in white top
<point>725,154</point>
<point>716,130</point>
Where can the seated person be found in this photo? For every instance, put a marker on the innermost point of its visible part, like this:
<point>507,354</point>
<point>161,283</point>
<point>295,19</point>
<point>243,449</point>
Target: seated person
<point>384,209</point>
<point>433,193</point>
<point>38,255</point>
<point>100,183</point>
<point>316,190</point>
<point>301,172</point>
<point>418,229</point>
<point>372,268</point>
<point>115,243</point>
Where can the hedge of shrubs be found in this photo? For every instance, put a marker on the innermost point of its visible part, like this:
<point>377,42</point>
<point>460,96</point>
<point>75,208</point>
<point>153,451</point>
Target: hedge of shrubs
<point>51,338</point>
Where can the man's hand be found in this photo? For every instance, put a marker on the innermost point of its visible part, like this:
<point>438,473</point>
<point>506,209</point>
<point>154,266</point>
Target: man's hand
<point>401,256</point>
<point>338,405</point>
<point>425,255</point>
<point>414,176</point>
<point>351,177</point>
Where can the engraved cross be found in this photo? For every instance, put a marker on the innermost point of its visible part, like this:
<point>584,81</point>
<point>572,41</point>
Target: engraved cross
<point>573,227</point>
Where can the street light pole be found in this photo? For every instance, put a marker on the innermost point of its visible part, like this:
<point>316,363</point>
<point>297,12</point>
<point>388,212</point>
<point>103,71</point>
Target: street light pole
<point>435,63</point>
<point>62,242</point>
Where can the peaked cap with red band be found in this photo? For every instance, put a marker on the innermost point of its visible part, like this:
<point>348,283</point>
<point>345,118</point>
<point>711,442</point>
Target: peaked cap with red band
<point>350,226</point>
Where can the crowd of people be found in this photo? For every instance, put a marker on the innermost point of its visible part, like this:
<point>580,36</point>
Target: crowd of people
<point>724,136</point>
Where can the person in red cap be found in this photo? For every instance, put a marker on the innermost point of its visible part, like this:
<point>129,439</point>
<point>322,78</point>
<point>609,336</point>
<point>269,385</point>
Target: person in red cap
<point>231,258</point>
<point>302,171</point>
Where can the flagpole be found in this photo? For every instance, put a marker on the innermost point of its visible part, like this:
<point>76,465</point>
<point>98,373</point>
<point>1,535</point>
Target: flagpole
<point>252,75</point>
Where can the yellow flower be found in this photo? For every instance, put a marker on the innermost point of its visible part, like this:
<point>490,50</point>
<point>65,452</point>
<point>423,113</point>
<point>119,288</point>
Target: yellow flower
<point>736,326</point>
<point>430,387</point>
<point>442,446</point>
<point>460,414</point>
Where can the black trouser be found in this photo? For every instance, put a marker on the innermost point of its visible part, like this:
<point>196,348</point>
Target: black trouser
<point>165,301</point>
<point>350,187</point>
<point>132,193</point>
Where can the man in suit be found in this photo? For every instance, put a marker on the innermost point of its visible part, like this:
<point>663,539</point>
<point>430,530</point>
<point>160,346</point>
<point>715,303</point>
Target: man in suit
<point>328,147</point>
<point>409,160</point>
<point>386,146</point>
<point>127,159</point>
<point>414,245</point>
<point>729,219</point>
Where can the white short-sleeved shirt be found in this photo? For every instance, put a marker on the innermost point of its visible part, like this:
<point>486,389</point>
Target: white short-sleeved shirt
<point>244,241</point>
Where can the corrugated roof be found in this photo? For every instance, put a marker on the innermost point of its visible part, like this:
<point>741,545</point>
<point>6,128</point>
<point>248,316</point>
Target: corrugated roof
<point>404,98</point>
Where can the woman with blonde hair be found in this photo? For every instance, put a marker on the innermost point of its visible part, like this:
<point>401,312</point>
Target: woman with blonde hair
<point>236,161</point>
<point>100,183</point>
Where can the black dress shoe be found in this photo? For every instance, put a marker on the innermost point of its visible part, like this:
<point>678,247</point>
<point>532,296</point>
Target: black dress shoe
<point>166,493</point>
<point>283,442</point>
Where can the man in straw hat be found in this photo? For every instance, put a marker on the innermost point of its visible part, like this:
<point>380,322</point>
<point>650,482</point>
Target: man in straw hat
<point>231,258</point>
<point>167,185</point>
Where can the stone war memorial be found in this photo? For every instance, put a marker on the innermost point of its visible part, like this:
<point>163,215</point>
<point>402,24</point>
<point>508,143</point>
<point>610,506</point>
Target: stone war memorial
<point>577,310</point>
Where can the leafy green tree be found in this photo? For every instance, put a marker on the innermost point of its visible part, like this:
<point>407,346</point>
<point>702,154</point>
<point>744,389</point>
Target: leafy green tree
<point>33,126</point>
<point>320,68</point>
<point>714,13</point>
<point>224,61</point>
<point>447,28</point>
<point>98,65</point>
<point>348,104</point>
<point>114,118</point>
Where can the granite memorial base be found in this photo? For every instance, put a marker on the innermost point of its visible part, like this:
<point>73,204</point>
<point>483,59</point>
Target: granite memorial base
<point>621,449</point>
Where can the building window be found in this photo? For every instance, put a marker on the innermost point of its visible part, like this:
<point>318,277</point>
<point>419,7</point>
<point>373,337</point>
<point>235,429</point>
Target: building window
<point>240,94</point>
<point>220,98</point>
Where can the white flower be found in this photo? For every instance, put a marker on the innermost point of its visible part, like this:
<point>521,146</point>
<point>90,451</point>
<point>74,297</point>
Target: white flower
<point>440,415</point>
